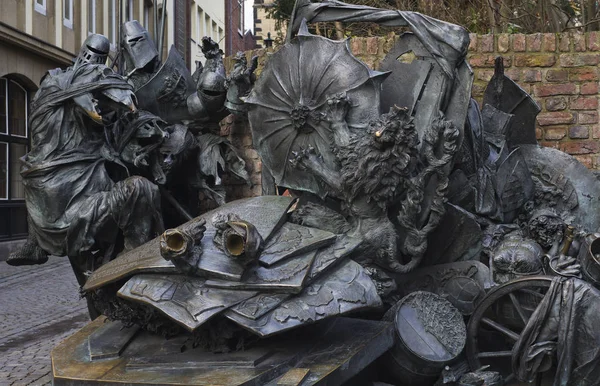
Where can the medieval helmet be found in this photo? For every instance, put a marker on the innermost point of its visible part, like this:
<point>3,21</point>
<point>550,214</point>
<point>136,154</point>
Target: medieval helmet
<point>139,47</point>
<point>94,50</point>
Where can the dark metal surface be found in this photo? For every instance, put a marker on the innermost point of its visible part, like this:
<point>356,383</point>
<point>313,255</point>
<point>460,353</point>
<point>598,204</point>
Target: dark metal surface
<point>291,240</point>
<point>187,301</point>
<point>430,327</point>
<point>430,333</point>
<point>505,95</point>
<point>347,288</point>
<point>400,197</point>
<point>332,352</point>
<point>462,283</point>
<point>267,213</point>
<point>110,340</point>
<point>136,41</point>
<point>259,305</point>
<point>416,69</point>
<point>288,276</point>
<point>166,93</point>
<point>478,320</point>
<point>94,50</point>
<point>286,104</point>
<point>574,188</point>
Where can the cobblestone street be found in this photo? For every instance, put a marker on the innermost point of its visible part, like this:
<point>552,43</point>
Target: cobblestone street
<point>39,307</point>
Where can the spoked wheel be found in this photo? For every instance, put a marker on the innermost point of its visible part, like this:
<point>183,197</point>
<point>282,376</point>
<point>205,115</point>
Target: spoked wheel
<point>498,321</point>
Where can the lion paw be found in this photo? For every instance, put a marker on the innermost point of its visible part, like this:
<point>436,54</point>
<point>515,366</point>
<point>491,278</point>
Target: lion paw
<point>304,159</point>
<point>337,107</point>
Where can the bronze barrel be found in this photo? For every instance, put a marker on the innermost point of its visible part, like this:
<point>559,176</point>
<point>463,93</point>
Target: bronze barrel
<point>429,334</point>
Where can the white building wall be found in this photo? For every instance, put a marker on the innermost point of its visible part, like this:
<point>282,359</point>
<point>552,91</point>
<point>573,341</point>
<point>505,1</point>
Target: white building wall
<point>208,19</point>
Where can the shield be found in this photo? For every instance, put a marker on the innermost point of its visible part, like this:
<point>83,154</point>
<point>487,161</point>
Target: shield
<point>507,96</point>
<point>165,95</point>
<point>286,105</point>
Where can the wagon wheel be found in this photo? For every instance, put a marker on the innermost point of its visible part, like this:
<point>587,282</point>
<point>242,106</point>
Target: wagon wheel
<point>492,321</point>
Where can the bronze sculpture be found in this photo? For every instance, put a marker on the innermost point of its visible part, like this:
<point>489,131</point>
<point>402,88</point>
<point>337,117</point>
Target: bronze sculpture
<point>407,198</point>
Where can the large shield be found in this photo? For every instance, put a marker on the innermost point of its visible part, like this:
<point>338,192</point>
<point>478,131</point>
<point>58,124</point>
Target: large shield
<point>166,92</point>
<point>286,105</point>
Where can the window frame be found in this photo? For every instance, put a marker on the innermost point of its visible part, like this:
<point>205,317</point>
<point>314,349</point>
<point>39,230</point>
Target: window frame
<point>112,21</point>
<point>68,22</point>
<point>10,204</point>
<point>40,8</point>
<point>92,12</point>
<point>129,10</point>
<point>26,110</point>
<point>6,162</point>
<point>146,16</point>
<point>241,10</point>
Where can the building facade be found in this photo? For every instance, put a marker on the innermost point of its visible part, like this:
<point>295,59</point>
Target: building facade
<point>263,25</point>
<point>208,19</point>
<point>36,36</point>
<point>223,21</point>
<point>238,37</point>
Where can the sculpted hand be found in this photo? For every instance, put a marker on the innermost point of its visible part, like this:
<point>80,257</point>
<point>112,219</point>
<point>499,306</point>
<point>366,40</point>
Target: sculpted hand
<point>336,108</point>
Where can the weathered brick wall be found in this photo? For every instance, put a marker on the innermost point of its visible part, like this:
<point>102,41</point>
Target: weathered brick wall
<point>560,71</point>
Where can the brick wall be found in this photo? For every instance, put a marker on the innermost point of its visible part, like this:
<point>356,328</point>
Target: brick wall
<point>560,71</point>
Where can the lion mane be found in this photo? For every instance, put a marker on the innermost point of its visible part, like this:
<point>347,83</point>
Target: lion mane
<point>376,164</point>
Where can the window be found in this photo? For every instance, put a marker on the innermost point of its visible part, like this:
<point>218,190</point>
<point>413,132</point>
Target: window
<point>241,17</point>
<point>14,144</point>
<point>112,21</point>
<point>68,13</point>
<point>92,16</point>
<point>146,16</point>
<point>205,30</point>
<point>199,28</point>
<point>40,6</point>
<point>129,10</point>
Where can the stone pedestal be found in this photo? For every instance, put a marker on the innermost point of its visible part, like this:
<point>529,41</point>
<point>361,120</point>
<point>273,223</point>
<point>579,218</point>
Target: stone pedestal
<point>330,352</point>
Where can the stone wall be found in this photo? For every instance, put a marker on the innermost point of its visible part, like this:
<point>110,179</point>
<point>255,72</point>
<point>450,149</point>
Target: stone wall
<point>560,71</point>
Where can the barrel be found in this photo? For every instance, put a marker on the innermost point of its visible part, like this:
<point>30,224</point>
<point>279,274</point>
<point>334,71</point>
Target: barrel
<point>429,334</point>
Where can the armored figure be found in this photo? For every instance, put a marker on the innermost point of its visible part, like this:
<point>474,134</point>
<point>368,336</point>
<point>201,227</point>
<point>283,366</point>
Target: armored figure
<point>76,205</point>
<point>240,82</point>
<point>169,91</point>
<point>140,53</point>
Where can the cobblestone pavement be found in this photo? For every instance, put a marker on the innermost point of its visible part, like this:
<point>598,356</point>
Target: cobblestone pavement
<point>39,307</point>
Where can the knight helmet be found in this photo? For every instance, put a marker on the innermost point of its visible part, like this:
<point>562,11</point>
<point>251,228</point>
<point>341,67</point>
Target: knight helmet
<point>94,50</point>
<point>139,49</point>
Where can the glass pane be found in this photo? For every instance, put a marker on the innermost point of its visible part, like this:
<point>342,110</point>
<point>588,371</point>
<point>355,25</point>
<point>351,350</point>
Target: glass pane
<point>3,170</point>
<point>17,109</point>
<point>67,9</point>
<point>18,221</point>
<point>111,21</point>
<point>3,105</point>
<point>4,222</point>
<point>16,182</point>
<point>92,16</point>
